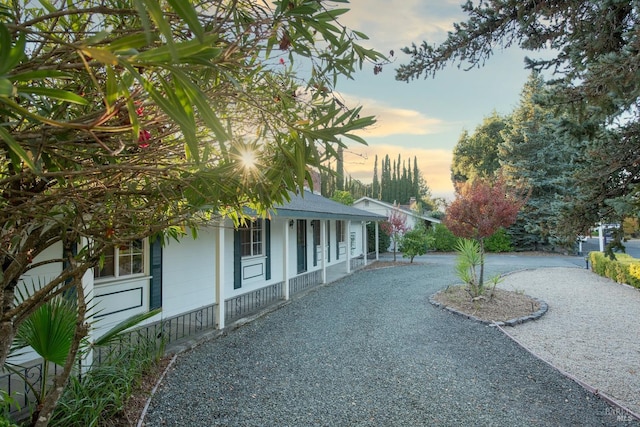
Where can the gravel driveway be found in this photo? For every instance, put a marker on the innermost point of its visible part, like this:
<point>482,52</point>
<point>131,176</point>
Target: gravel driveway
<point>369,350</point>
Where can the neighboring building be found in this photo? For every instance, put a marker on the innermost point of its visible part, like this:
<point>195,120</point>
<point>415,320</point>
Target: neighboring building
<point>385,209</point>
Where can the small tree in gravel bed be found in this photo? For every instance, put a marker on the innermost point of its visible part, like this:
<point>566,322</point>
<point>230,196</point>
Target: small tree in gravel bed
<point>415,242</point>
<point>480,208</point>
<point>395,227</point>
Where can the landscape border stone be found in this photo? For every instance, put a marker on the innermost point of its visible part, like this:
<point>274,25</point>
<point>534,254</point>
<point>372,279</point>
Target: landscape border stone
<point>511,322</point>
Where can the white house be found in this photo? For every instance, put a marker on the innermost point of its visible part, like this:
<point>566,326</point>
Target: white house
<point>225,273</point>
<point>220,277</point>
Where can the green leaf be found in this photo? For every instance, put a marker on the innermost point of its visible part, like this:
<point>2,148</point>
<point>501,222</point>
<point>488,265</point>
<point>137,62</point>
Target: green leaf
<point>96,38</point>
<point>50,330</point>
<point>112,92</point>
<point>60,94</point>
<point>330,15</point>
<point>155,11</point>
<point>202,104</point>
<point>6,88</point>
<point>188,13</point>
<point>10,56</point>
<point>133,41</point>
<point>16,149</point>
<point>112,334</point>
<point>101,55</point>
<point>39,75</point>
<point>165,54</point>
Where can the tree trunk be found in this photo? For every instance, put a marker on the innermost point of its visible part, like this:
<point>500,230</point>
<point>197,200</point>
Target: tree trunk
<point>481,279</point>
<point>394,250</point>
<point>7,329</point>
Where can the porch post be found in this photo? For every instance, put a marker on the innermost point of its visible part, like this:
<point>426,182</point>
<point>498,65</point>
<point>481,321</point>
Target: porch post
<point>365,244</point>
<point>323,245</point>
<point>377,241</point>
<point>219,279</point>
<point>347,242</point>
<point>285,260</point>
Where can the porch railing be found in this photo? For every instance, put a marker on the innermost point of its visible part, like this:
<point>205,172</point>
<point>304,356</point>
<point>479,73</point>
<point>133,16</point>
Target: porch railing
<point>165,331</point>
<point>305,281</point>
<point>158,333</point>
<point>252,302</point>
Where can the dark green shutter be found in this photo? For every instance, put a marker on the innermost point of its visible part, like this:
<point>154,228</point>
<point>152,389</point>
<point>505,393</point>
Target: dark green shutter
<point>237,258</point>
<point>328,241</point>
<point>337,240</point>
<point>316,233</point>
<point>267,242</point>
<point>155,290</point>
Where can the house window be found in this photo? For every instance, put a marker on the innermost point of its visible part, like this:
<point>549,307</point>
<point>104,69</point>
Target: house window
<point>122,260</point>
<point>251,239</point>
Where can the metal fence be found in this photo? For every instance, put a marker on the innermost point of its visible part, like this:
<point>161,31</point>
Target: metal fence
<point>156,334</point>
<point>304,282</point>
<point>162,332</point>
<point>21,391</point>
<point>252,302</point>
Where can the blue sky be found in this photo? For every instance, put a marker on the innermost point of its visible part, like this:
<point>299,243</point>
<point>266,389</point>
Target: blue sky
<point>423,118</point>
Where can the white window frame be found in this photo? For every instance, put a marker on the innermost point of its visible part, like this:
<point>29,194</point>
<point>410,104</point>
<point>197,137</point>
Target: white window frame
<point>255,230</point>
<point>119,275</point>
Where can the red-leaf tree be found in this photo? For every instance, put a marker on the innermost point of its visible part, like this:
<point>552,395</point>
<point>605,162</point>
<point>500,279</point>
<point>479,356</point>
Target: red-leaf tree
<point>395,228</point>
<point>480,208</point>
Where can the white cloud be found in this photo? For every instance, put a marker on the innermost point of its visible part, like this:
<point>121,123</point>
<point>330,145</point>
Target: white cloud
<point>394,121</point>
<point>393,25</point>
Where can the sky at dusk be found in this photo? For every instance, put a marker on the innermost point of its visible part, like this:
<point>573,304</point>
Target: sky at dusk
<point>422,118</point>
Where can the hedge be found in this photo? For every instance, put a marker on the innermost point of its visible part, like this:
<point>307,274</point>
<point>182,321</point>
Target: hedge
<point>623,269</point>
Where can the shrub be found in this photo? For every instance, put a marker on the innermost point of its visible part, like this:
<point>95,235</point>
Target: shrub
<point>443,239</point>
<point>623,269</point>
<point>500,241</point>
<point>415,242</point>
<point>103,391</point>
<point>384,241</point>
<point>6,402</point>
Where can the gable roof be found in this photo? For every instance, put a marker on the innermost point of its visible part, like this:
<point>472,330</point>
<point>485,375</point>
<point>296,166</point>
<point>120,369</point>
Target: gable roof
<point>397,208</point>
<point>313,206</point>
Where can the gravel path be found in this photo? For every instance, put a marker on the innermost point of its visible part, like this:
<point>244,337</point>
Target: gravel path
<point>591,330</point>
<point>369,350</point>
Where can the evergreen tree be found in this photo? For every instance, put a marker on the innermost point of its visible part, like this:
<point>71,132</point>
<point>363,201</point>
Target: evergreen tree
<point>340,169</point>
<point>417,181</point>
<point>535,155</point>
<point>375,186</point>
<point>476,155</point>
<point>595,79</point>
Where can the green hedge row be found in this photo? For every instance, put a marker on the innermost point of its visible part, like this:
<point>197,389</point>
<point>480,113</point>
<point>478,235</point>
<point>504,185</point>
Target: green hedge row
<point>445,241</point>
<point>623,269</point>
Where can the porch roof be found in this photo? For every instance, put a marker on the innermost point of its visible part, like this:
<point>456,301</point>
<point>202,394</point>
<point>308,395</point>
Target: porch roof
<point>313,206</point>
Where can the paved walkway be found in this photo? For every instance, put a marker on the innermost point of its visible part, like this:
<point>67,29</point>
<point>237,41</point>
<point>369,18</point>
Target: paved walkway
<point>369,350</point>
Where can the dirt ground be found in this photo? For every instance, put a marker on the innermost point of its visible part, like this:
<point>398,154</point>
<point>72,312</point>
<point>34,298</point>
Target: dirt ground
<point>499,306</point>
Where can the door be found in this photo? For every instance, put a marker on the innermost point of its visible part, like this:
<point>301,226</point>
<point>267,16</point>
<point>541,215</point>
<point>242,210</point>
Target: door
<point>301,244</point>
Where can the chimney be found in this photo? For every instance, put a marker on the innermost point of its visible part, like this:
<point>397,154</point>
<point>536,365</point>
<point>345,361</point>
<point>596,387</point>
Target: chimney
<point>316,181</point>
<point>412,203</point>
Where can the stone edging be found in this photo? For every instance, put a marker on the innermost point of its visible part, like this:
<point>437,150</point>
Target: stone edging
<point>512,322</point>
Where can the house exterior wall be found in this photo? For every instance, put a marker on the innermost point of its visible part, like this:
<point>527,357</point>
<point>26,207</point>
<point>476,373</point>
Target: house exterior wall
<point>373,207</point>
<point>189,273</point>
<point>36,277</point>
<point>116,299</point>
<point>190,270</point>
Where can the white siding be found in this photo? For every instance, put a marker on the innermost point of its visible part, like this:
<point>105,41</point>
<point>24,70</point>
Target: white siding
<point>188,273</point>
